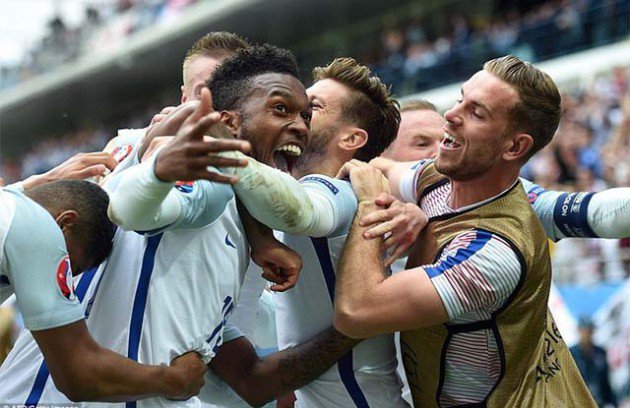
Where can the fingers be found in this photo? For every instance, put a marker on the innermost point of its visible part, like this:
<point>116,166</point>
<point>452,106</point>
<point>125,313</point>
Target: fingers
<point>163,114</point>
<point>203,108</point>
<point>281,282</point>
<point>215,177</point>
<point>98,170</point>
<point>172,122</point>
<point>199,128</point>
<point>377,216</point>
<point>93,158</point>
<point>345,170</point>
<point>381,229</point>
<point>385,200</point>
<point>223,145</point>
<point>397,253</point>
<point>198,159</point>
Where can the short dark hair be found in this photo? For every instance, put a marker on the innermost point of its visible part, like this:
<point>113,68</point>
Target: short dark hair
<point>216,44</point>
<point>230,84</point>
<point>370,105</point>
<point>90,201</point>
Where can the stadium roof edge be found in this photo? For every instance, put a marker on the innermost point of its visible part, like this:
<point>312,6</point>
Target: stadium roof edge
<point>196,16</point>
<point>581,66</point>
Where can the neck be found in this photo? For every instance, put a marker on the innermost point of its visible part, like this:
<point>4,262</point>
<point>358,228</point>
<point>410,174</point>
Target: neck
<point>488,185</point>
<point>327,165</point>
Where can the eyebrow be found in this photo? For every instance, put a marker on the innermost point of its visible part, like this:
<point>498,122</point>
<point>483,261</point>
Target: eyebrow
<point>281,92</point>
<point>479,104</point>
<point>318,99</point>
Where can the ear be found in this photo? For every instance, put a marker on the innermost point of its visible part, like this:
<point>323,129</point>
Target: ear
<point>518,147</point>
<point>353,139</point>
<point>67,219</point>
<point>232,120</point>
<point>184,97</point>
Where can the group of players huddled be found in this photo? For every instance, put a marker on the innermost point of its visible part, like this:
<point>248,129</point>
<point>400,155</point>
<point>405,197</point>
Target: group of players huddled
<point>323,192</point>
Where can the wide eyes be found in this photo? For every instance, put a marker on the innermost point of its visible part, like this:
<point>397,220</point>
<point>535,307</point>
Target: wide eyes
<point>282,108</point>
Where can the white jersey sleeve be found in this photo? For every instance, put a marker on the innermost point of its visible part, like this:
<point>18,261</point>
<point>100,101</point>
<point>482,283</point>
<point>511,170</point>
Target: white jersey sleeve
<point>409,181</point>
<point>334,202</point>
<point>143,203</point>
<point>477,271</point>
<point>35,263</point>
<point>597,215</point>
<point>231,332</point>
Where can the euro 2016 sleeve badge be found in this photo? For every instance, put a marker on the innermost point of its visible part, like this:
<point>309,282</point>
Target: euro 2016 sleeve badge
<point>64,279</point>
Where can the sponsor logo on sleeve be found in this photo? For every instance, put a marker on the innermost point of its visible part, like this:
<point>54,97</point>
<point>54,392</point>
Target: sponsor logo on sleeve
<point>323,181</point>
<point>184,186</point>
<point>64,279</point>
<point>121,152</point>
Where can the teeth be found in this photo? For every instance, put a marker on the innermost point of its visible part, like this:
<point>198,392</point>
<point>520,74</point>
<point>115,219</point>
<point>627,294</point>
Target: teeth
<point>291,149</point>
<point>449,137</point>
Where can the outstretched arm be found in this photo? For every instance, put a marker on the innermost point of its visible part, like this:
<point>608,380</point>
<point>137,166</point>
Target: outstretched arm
<point>605,214</point>
<point>260,380</point>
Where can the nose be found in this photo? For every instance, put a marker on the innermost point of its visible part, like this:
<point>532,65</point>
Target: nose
<point>452,116</point>
<point>300,128</point>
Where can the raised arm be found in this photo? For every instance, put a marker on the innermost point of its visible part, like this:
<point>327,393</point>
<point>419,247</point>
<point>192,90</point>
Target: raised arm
<point>144,199</point>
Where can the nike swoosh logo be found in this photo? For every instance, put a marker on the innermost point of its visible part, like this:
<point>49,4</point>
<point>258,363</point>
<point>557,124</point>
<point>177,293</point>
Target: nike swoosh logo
<point>228,242</point>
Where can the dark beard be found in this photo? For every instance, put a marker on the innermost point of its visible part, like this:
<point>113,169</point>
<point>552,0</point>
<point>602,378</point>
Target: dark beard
<point>314,153</point>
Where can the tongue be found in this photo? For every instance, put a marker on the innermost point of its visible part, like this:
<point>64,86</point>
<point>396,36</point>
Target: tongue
<point>281,161</point>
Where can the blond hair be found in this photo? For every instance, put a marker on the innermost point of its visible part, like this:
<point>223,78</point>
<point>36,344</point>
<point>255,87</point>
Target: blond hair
<point>217,44</point>
<point>416,104</point>
<point>370,105</point>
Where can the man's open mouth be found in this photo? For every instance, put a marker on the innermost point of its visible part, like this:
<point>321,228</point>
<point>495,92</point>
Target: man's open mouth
<point>285,157</point>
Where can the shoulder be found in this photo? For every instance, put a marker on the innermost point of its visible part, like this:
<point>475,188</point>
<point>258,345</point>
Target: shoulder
<point>326,184</point>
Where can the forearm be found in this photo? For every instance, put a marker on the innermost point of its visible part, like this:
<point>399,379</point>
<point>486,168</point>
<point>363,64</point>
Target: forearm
<point>609,213</point>
<point>275,198</point>
<point>141,202</point>
<point>397,174</point>
<point>360,272</point>
<point>103,375</point>
<point>277,374</point>
<point>258,234</point>
<point>295,367</point>
<point>92,372</point>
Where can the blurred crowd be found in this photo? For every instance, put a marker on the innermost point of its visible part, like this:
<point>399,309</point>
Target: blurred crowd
<point>104,27</point>
<point>411,57</point>
<point>590,152</point>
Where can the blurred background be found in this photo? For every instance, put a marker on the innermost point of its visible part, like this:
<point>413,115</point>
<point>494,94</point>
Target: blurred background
<point>72,72</point>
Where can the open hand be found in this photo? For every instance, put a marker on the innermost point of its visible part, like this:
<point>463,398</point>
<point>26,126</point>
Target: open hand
<point>187,156</point>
